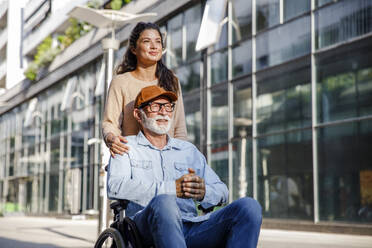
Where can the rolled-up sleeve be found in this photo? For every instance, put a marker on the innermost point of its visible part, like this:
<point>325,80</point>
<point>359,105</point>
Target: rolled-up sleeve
<point>215,190</point>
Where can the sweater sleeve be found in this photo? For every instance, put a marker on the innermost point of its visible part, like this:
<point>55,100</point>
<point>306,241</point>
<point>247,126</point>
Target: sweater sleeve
<point>180,131</point>
<point>113,113</point>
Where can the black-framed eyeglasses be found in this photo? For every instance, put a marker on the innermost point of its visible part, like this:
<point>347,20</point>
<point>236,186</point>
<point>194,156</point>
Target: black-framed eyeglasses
<point>156,107</point>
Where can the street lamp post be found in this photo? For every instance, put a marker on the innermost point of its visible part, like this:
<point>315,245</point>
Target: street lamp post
<point>109,19</point>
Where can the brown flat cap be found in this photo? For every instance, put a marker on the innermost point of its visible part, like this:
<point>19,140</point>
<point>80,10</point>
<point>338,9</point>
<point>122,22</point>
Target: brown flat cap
<point>151,92</point>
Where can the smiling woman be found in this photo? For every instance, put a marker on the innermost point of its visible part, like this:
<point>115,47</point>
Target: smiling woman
<point>142,66</point>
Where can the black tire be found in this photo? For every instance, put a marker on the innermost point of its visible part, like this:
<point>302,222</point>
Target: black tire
<point>114,235</point>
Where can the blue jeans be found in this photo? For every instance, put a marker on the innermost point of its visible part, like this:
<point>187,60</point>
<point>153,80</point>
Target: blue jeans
<point>236,225</point>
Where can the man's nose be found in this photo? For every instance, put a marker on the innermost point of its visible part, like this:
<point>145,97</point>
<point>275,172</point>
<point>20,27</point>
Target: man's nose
<point>162,110</point>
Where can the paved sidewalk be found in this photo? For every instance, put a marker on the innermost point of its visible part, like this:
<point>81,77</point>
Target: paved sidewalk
<point>294,239</point>
<point>43,232</point>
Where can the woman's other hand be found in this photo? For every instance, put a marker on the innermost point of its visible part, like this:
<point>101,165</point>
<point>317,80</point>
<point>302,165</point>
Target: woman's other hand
<point>115,143</point>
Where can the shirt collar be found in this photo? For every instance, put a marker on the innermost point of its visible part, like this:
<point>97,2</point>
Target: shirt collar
<point>172,143</point>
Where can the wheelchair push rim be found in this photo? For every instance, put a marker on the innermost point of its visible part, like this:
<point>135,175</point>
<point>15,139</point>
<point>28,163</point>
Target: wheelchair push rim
<point>114,235</point>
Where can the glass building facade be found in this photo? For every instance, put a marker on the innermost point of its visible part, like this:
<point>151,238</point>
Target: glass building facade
<point>281,106</point>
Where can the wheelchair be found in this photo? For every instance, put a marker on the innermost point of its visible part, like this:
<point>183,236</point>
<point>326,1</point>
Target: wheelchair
<point>123,232</point>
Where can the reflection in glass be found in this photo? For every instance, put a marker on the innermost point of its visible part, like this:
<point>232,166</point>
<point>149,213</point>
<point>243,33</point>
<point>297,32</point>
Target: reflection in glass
<point>286,42</point>
<point>342,21</point>
<point>219,114</point>
<point>219,161</point>
<point>242,18</point>
<point>345,172</point>
<point>242,168</point>
<point>284,98</point>
<point>192,22</point>
<point>242,59</point>
<point>174,41</point>
<point>11,164</point>
<point>294,8</point>
<point>285,179</point>
<point>344,84</point>
<point>54,154</point>
<point>323,2</point>
<point>218,67</point>
<point>82,118</point>
<point>189,76</point>
<point>223,41</point>
<point>267,13</point>
<point>193,118</point>
<point>77,149</point>
<point>53,192</point>
<point>32,160</point>
<point>243,107</point>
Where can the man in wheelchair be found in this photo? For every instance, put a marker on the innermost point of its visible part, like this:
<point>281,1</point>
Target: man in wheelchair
<point>163,177</point>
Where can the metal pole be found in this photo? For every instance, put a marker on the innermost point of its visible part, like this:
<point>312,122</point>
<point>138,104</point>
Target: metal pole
<point>314,117</point>
<point>109,46</point>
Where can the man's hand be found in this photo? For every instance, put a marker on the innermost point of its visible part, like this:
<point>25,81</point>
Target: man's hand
<point>115,144</point>
<point>190,186</point>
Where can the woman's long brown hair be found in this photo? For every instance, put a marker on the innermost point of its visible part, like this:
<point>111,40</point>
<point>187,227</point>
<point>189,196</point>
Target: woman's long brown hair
<point>166,78</point>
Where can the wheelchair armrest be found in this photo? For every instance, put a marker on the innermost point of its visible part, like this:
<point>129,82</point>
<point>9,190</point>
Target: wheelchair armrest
<point>119,205</point>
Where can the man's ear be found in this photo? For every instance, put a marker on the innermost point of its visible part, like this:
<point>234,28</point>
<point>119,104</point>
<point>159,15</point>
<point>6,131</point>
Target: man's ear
<point>137,115</point>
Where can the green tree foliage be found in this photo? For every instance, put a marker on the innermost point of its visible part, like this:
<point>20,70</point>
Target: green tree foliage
<point>46,52</point>
<point>116,4</point>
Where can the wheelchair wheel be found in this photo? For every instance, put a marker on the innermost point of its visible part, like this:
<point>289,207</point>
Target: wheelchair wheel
<point>110,238</point>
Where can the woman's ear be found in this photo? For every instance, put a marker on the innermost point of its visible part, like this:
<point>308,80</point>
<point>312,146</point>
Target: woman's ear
<point>133,50</point>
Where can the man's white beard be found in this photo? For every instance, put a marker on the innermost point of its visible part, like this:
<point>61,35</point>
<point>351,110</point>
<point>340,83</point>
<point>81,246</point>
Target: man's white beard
<point>152,125</point>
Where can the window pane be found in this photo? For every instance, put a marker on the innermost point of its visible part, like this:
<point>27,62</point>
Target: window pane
<point>242,16</point>
<point>223,41</point>
<point>344,162</point>
<point>323,2</point>
<point>77,149</point>
<point>219,161</point>
<point>192,23</point>
<point>267,13</point>
<point>243,108</point>
<point>294,8</point>
<point>54,154</point>
<point>242,168</point>
<point>342,21</point>
<point>53,192</point>
<point>174,41</point>
<point>218,67</point>
<point>284,43</point>
<point>189,76</point>
<point>284,97</point>
<point>193,117</point>
<point>219,114</point>
<point>285,177</point>
<point>345,83</point>
<point>242,59</point>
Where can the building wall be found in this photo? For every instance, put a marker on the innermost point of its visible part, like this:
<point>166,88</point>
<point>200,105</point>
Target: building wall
<point>280,105</point>
<point>282,110</point>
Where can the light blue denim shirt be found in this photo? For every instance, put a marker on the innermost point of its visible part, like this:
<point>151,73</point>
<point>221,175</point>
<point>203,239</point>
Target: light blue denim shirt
<point>147,171</point>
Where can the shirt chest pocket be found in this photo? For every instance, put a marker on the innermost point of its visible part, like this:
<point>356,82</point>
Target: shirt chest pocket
<point>180,169</point>
<point>141,168</point>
